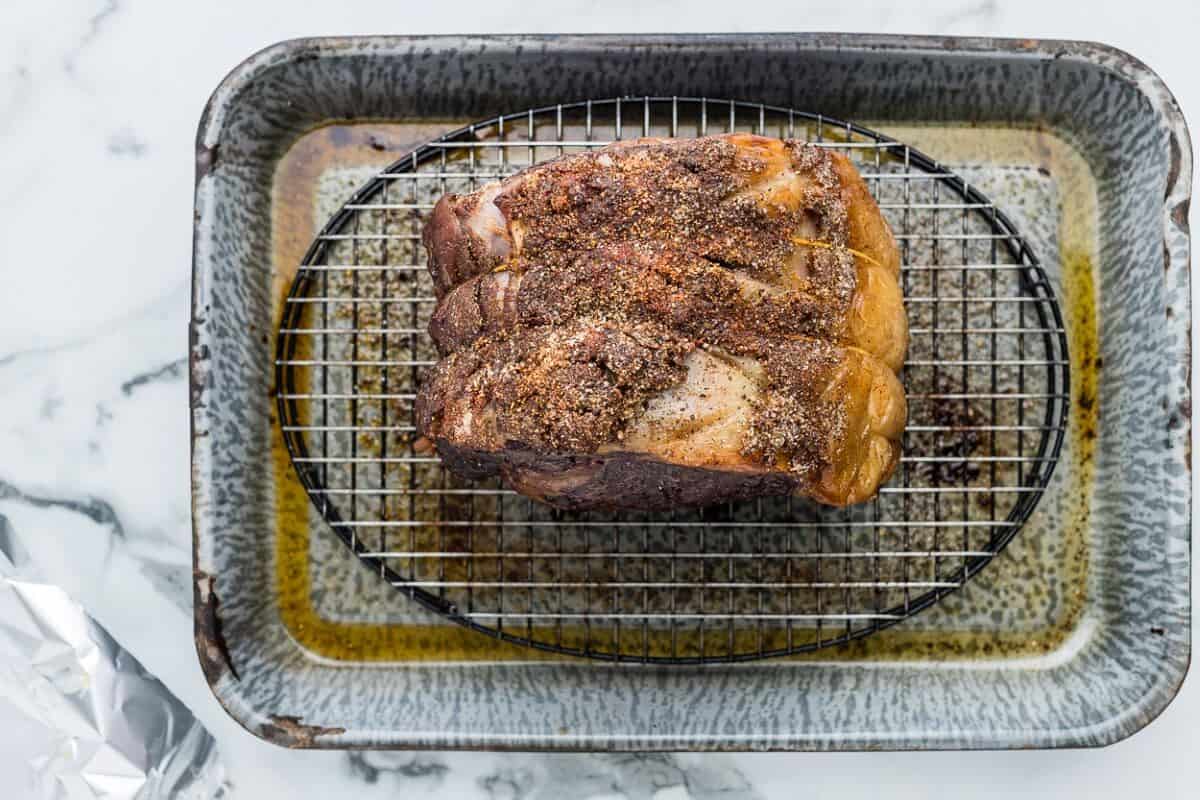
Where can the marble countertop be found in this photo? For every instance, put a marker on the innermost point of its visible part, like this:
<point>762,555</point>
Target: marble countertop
<point>99,101</point>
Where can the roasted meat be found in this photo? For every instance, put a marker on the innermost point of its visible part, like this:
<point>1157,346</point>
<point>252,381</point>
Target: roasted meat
<point>665,323</point>
<point>778,216</point>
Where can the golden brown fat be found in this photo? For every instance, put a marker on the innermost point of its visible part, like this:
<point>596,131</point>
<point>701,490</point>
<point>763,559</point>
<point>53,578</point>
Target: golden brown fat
<point>876,410</point>
<point>868,231</point>
<point>877,297</point>
<point>876,321</point>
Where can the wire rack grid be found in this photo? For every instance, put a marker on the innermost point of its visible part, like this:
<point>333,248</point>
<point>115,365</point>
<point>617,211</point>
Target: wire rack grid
<point>987,380</point>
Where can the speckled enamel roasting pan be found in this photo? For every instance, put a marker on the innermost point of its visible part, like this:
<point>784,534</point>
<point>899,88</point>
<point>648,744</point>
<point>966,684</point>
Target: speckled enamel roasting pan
<point>1078,634</point>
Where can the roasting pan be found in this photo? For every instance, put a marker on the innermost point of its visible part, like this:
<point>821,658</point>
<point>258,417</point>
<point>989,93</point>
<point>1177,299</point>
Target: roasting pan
<point>1077,634</point>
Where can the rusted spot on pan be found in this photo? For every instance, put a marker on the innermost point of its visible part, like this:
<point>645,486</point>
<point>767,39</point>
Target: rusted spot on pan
<point>1175,166</point>
<point>289,731</point>
<point>1179,214</point>
<point>206,160</point>
<point>196,369</point>
<point>210,644</point>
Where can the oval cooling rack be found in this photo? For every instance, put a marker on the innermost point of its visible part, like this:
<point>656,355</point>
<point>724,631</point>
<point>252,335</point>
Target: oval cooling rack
<point>987,380</point>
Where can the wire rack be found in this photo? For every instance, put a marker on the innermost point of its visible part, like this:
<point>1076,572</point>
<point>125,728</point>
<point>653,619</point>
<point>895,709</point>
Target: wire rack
<point>987,381</point>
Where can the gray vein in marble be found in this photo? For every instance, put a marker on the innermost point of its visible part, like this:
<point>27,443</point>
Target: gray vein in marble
<point>126,143</point>
<point>981,11</point>
<point>508,784</point>
<point>635,776</point>
<point>17,94</point>
<point>110,327</point>
<point>711,780</point>
<point>93,508</point>
<point>370,766</point>
<point>173,581</point>
<point>169,371</point>
<point>50,406</point>
<point>95,24</point>
<point>47,350</point>
<point>5,360</point>
<point>103,415</point>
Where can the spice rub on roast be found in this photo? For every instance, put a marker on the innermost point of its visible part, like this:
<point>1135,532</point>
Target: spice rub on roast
<point>651,282</point>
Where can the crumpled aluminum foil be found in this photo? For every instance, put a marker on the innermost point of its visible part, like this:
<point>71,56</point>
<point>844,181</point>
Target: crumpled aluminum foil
<point>120,733</point>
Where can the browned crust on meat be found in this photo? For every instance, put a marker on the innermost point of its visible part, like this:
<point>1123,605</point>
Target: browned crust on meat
<point>482,305</point>
<point>455,252</point>
<point>447,243</point>
<point>611,481</point>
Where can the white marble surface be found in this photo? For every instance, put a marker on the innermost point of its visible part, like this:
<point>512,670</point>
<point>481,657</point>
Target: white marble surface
<point>99,101</point>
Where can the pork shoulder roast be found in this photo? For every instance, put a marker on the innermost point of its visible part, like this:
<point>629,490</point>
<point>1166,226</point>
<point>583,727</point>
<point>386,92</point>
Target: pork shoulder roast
<point>669,322</point>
